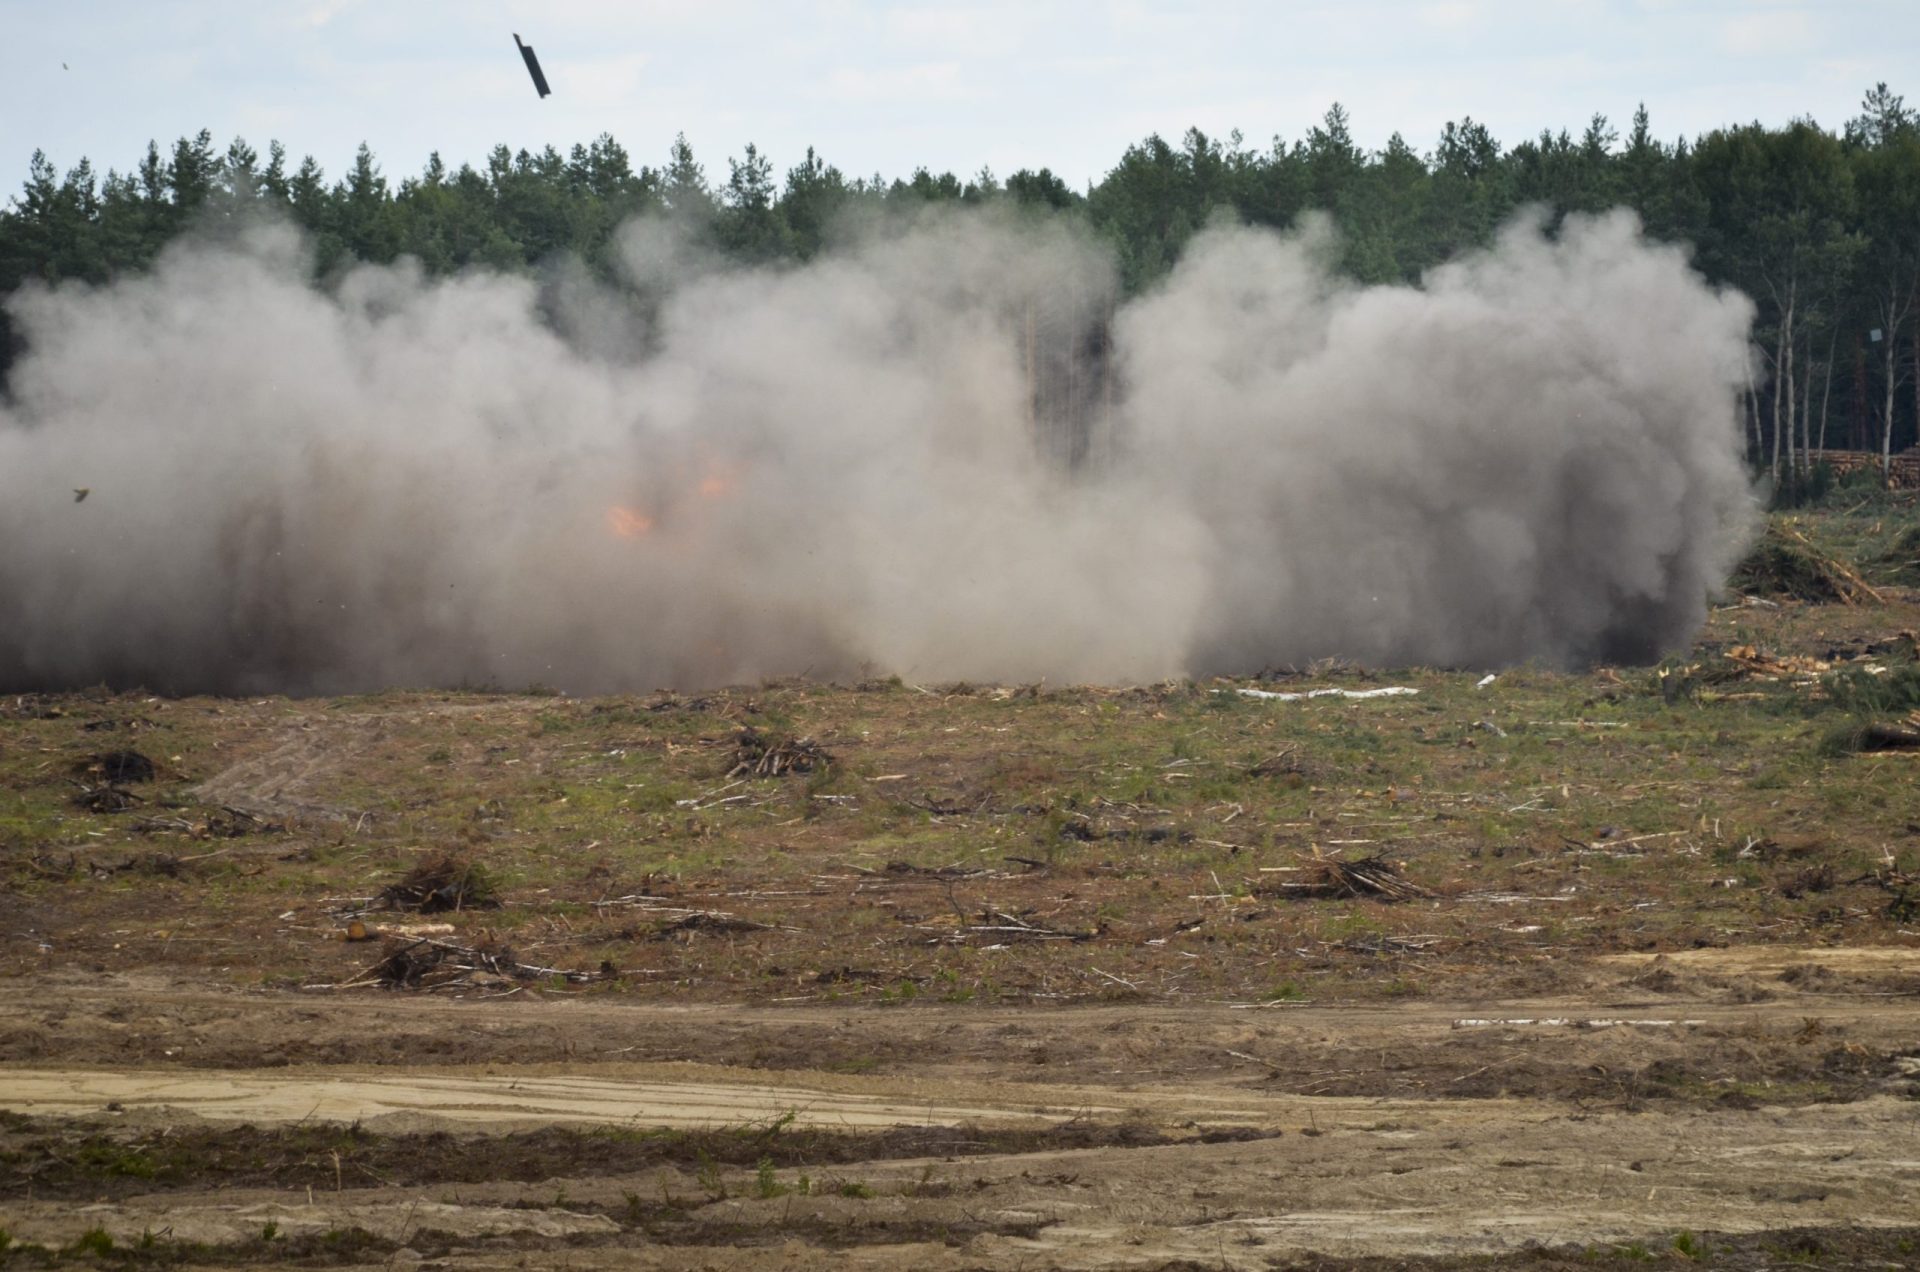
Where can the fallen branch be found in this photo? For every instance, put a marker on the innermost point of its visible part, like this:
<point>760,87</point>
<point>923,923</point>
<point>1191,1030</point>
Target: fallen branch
<point>106,798</point>
<point>1887,737</point>
<point>708,921</point>
<point>906,869</point>
<point>1013,928</point>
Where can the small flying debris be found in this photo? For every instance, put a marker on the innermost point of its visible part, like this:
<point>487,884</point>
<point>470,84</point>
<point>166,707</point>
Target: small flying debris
<point>533,66</point>
<point>80,493</point>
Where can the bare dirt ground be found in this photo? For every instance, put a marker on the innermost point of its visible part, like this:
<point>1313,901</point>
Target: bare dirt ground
<point>1166,1135</point>
<point>1014,977</point>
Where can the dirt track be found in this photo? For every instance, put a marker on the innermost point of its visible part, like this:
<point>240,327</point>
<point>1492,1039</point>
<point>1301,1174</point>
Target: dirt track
<point>1446,1168</point>
<point>487,1101</point>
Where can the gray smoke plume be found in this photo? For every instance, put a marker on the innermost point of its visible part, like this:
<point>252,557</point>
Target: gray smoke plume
<point>944,450</point>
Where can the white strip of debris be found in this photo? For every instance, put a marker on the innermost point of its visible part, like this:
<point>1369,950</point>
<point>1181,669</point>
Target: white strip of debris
<point>1570,1022</point>
<point>1392,691</point>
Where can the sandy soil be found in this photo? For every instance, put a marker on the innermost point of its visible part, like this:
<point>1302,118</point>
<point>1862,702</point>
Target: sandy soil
<point>384,1100</point>
<point>1360,1132</point>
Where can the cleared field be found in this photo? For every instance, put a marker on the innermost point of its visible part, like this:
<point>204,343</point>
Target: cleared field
<point>1562,968</point>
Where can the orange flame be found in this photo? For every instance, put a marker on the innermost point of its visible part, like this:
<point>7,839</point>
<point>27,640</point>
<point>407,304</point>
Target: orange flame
<point>718,483</point>
<point>628,523</point>
<point>721,482</point>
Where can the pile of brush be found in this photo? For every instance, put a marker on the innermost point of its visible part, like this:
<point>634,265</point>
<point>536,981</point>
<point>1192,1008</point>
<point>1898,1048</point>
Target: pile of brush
<point>116,767</point>
<point>1785,563</point>
<point>430,964</point>
<point>439,884</point>
<point>757,755</point>
<point>102,780</point>
<point>1374,878</point>
<point>1901,558</point>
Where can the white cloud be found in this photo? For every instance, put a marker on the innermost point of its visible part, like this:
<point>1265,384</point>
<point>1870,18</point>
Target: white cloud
<point>321,12</point>
<point>1450,15</point>
<point>956,28</point>
<point>927,81</point>
<point>1768,34</point>
<point>608,81</point>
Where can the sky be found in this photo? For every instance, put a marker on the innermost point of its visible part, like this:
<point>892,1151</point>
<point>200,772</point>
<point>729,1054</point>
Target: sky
<point>885,86</point>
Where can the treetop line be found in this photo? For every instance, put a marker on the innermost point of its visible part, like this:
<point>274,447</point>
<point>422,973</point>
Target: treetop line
<point>1821,229</point>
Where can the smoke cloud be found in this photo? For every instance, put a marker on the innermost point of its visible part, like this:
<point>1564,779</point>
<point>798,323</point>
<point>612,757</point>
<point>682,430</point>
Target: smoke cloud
<point>945,450</point>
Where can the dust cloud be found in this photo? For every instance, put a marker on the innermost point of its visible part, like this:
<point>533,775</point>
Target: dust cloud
<point>947,450</point>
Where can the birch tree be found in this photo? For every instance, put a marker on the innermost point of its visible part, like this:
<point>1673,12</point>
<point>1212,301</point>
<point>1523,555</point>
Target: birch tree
<point>1886,163</point>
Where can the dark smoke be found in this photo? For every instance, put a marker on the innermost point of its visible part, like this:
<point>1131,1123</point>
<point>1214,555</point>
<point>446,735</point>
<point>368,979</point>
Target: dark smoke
<point>942,452</point>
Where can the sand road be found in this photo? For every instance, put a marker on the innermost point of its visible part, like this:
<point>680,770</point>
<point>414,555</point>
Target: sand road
<point>1334,1149</point>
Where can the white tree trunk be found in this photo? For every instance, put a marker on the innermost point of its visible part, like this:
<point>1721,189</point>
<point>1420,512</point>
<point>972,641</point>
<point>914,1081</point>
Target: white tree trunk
<point>1893,314</point>
<point>1806,413</point>
<point>1893,382</point>
<point>1756,446</point>
<point>1826,386</point>
<point>1779,343</point>
<point>1787,383</point>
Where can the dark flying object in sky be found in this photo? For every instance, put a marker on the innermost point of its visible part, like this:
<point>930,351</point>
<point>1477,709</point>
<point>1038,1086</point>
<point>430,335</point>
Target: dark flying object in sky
<point>533,66</point>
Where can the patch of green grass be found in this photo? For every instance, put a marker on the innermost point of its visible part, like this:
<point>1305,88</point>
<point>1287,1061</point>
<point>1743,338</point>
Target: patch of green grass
<point>1688,1246</point>
<point>97,1242</point>
<point>708,1176</point>
<point>105,1158</point>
